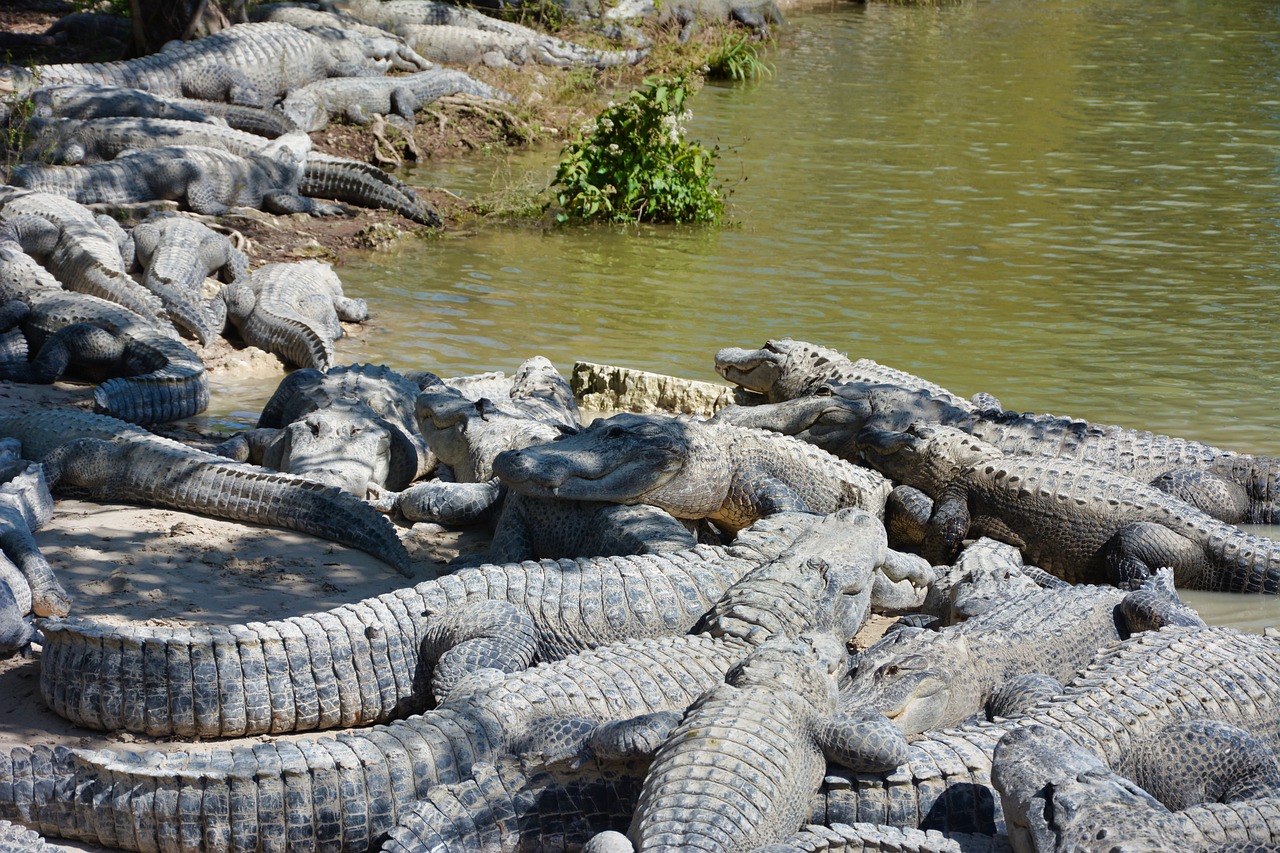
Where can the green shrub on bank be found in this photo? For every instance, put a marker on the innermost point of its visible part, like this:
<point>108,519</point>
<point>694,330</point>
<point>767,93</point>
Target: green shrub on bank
<point>633,164</point>
<point>737,57</point>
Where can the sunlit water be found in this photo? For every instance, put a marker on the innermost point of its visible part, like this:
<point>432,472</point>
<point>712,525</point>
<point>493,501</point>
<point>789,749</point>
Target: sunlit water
<point>1072,205</point>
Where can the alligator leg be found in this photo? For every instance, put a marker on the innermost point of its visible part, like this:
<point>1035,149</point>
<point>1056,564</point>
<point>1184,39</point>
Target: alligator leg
<point>1209,492</point>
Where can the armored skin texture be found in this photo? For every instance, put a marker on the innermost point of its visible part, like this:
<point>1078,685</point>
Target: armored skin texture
<point>692,469</point>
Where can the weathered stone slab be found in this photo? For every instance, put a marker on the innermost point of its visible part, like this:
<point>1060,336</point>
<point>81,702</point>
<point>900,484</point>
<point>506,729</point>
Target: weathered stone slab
<point>606,387</point>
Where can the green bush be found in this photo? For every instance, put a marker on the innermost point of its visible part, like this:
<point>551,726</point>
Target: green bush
<point>633,164</point>
<point>737,57</point>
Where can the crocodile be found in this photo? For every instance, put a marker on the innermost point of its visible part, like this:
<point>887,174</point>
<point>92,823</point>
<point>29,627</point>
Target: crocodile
<point>784,369</point>
<point>350,427</point>
<point>252,64</point>
<point>358,98</point>
<point>692,469</point>
<point>201,179</point>
<point>75,247</point>
<point>1235,487</point>
<point>934,679</point>
<point>1129,691</point>
<point>293,310</point>
<point>345,791</point>
<point>112,460</point>
<point>144,376</point>
<point>1058,795</point>
<point>741,768</point>
<point>1079,522</point>
<point>111,677</point>
<point>177,254</point>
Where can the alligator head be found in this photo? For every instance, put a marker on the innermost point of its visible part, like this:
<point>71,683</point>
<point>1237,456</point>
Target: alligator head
<point>344,446</point>
<point>624,459</point>
<point>1057,795</point>
<point>926,457</point>
<point>468,435</point>
<point>781,369</point>
<point>833,414</point>
<point>914,690</point>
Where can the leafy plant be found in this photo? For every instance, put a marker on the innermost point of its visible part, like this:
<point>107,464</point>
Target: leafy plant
<point>737,58</point>
<point>633,164</point>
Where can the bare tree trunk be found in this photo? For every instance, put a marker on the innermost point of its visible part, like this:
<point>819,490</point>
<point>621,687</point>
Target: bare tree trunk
<point>156,22</point>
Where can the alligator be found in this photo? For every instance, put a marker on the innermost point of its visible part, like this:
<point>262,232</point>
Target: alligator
<point>112,460</point>
<point>365,185</point>
<point>70,142</point>
<point>692,469</point>
<point>757,15</point>
<point>1081,523</point>
<point>358,98</point>
<point>251,64</point>
<point>742,767</point>
<point>1058,795</point>
<point>177,254</point>
<point>466,44</point>
<point>1235,487</point>
<point>293,310</point>
<point>349,427</point>
<point>371,776</point>
<point>21,274</point>
<point>201,179</point>
<point>19,839</point>
<point>26,505</point>
<point>98,100</point>
<point>109,677</point>
<point>75,248</point>
<point>1130,690</point>
<point>786,369</point>
<point>467,431</point>
<point>926,680</point>
<point>144,375</point>
<point>444,32</point>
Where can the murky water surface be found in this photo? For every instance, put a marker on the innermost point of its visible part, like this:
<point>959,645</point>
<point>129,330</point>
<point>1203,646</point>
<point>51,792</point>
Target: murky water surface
<point>1072,205</point>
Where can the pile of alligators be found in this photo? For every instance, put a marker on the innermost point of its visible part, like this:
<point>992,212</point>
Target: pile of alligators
<point>656,652</point>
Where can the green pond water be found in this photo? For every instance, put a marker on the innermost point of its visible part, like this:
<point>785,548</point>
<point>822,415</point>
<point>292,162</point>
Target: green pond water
<point>1071,204</point>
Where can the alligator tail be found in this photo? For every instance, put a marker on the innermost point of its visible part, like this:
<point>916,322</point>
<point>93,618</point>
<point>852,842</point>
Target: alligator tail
<point>338,793</point>
<point>355,665</point>
<point>355,183</point>
<point>176,387</point>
